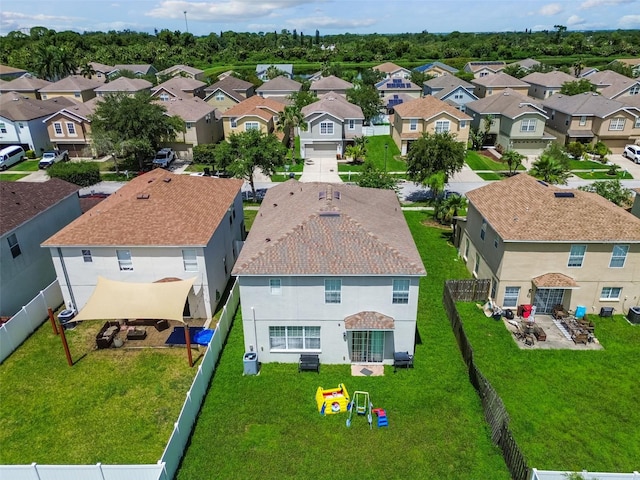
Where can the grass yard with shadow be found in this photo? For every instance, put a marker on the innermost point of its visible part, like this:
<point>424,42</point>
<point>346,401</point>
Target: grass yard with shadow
<point>12,177</point>
<point>25,166</point>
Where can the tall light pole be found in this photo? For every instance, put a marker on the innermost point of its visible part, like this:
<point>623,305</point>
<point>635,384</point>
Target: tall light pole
<point>386,147</point>
<point>185,21</point>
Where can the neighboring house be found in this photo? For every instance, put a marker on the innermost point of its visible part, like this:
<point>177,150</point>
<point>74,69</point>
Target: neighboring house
<point>321,273</point>
<point>130,86</point>
<point>26,86</point>
<point>138,70</point>
<point>285,69</point>
<point>203,124</point>
<point>497,83</point>
<point>590,118</point>
<point>544,245</point>
<point>184,71</point>
<point>452,90</point>
<point>69,128</point>
<point>330,84</point>
<point>482,69</point>
<point>427,115</point>
<point>30,212</point>
<point>518,122</point>
<point>389,87</point>
<point>9,73</point>
<point>158,226</point>
<point>228,92</point>
<point>103,72</point>
<point>75,87</point>
<point>587,72</point>
<point>390,102</point>
<point>332,123</point>
<point>21,120</point>
<point>526,64</point>
<point>543,85</point>
<point>179,87</point>
<point>254,113</point>
<point>437,69</point>
<point>633,63</point>
<point>279,89</point>
<point>391,70</point>
<point>615,86</point>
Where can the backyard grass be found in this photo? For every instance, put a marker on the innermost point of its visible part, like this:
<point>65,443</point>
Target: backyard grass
<point>268,426</point>
<point>25,166</point>
<point>569,409</point>
<point>249,217</point>
<point>12,177</point>
<point>113,406</point>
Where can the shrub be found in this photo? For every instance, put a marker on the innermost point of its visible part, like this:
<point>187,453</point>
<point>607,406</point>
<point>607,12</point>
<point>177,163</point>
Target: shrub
<point>30,154</point>
<point>83,174</point>
<point>204,154</point>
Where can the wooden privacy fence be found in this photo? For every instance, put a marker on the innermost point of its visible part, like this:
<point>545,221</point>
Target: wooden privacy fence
<point>494,411</point>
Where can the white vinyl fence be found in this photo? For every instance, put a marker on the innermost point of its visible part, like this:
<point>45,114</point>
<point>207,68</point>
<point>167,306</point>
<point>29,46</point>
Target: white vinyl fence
<point>374,130</point>
<point>30,317</point>
<point>554,475</point>
<point>167,466</point>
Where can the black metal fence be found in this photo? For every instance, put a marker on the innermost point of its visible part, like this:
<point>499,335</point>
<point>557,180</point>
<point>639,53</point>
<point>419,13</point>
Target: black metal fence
<point>494,411</point>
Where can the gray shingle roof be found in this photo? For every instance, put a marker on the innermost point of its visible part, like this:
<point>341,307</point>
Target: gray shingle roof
<point>587,103</point>
<point>499,80</point>
<point>17,107</point>
<point>508,103</point>
<point>73,83</point>
<point>330,83</point>
<point>282,84</point>
<point>329,229</point>
<point>335,105</point>
<point>550,79</point>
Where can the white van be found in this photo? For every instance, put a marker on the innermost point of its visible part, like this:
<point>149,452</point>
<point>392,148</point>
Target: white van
<point>10,156</point>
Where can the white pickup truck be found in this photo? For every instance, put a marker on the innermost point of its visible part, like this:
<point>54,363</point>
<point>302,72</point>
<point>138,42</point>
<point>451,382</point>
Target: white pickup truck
<point>164,157</point>
<point>53,156</point>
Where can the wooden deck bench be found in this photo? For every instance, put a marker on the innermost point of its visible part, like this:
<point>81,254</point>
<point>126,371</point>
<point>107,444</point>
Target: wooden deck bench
<point>309,362</point>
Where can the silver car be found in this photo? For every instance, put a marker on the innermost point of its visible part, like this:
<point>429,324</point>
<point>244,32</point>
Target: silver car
<point>632,152</point>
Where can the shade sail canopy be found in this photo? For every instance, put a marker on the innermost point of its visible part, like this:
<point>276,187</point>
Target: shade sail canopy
<point>369,321</point>
<point>555,280</point>
<point>114,300</point>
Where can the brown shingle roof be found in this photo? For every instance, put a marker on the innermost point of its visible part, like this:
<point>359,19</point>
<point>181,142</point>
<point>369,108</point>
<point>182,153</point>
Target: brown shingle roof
<point>17,107</point>
<point>330,83</point>
<point>189,109</point>
<point>255,105</point>
<point>611,84</point>
<point>124,84</point>
<point>388,67</point>
<point>158,208</point>
<point>185,84</point>
<point>335,105</point>
<point>587,103</point>
<point>178,68</point>
<point>6,69</point>
<point>508,103</point>
<point>499,80</point>
<point>21,201</point>
<point>554,280</point>
<point>72,83</point>
<point>522,209</point>
<point>230,83</point>
<point>24,84</point>
<point>280,84</point>
<point>369,321</point>
<point>427,107</point>
<point>553,79</point>
<point>329,229</point>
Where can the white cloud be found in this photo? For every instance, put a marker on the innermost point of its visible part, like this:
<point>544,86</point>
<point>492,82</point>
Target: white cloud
<point>223,11</point>
<point>630,21</point>
<point>331,22</point>
<point>10,21</point>
<point>551,9</point>
<point>574,20</point>
<point>603,3</point>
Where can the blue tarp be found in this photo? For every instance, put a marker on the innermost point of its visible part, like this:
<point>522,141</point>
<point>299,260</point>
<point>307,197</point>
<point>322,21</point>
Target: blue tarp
<point>198,335</point>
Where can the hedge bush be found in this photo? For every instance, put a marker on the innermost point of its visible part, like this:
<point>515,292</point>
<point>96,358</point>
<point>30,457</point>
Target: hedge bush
<point>83,174</point>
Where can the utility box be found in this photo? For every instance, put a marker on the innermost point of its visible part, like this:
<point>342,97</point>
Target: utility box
<point>250,363</point>
<point>634,315</point>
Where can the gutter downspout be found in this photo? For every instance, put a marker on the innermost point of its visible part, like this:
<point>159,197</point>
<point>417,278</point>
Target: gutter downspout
<point>66,278</point>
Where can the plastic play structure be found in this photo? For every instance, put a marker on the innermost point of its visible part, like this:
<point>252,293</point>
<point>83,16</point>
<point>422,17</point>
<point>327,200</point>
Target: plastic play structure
<point>333,400</point>
<point>362,405</point>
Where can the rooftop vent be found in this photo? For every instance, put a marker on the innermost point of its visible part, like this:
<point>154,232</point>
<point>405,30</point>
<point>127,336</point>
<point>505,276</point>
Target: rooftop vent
<point>322,195</point>
<point>143,196</point>
<point>166,180</point>
<point>563,194</point>
<point>336,195</point>
<point>330,214</point>
<point>543,183</point>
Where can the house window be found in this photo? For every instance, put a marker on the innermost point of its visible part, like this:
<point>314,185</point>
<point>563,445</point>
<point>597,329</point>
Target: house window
<point>483,229</point>
<point>442,126</point>
<point>635,90</point>
<point>511,295</point>
<point>77,94</point>
<point>234,122</point>
<point>352,124</point>
<point>188,125</point>
<point>275,286</point>
<point>71,129</point>
<point>495,242</point>
<point>219,96</point>
<point>576,256</point>
<point>57,127</point>
<point>164,97</point>
<point>413,124</point>
<point>463,124</point>
<point>610,293</point>
<point>528,125</point>
<point>190,260</point>
<point>466,248</point>
<point>326,128</point>
<point>618,256</point>
<point>583,120</point>
<point>494,287</point>
<point>86,256</point>
<point>400,291</point>
<point>637,124</point>
<point>332,290</point>
<point>3,128</point>
<point>294,338</point>
<point>251,126</point>
<point>14,246</point>
<point>476,265</point>
<point>617,124</point>
<point>21,125</point>
<point>124,259</point>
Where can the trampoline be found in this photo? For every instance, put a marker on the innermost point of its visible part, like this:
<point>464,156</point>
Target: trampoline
<point>198,335</point>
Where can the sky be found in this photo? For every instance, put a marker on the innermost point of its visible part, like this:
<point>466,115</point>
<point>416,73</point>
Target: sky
<point>328,16</point>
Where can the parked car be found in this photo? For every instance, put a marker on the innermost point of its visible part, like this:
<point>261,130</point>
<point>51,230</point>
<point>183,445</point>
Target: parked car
<point>632,152</point>
<point>10,156</point>
<point>53,156</point>
<point>164,157</point>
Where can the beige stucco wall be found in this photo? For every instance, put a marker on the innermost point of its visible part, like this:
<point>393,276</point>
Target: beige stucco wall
<point>223,105</point>
<point>77,96</point>
<point>83,130</point>
<point>266,127</point>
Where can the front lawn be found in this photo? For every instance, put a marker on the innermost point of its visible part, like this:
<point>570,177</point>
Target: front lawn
<point>268,426</point>
<point>490,176</point>
<point>25,166</point>
<point>569,409</point>
<point>12,177</point>
<point>113,406</point>
<point>602,175</point>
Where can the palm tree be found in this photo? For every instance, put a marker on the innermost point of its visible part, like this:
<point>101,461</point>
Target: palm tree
<point>549,170</point>
<point>356,151</point>
<point>287,122</point>
<point>513,160</point>
<point>87,71</point>
<point>450,208</point>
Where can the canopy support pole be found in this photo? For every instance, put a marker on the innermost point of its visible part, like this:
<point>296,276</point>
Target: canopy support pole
<point>65,345</point>
<point>187,337</point>
<point>52,320</point>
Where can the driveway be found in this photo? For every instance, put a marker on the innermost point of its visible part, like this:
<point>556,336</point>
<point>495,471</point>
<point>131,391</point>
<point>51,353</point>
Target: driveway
<point>321,170</point>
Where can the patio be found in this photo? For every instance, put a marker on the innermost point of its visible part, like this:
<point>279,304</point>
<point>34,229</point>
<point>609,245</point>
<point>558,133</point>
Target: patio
<point>556,338</point>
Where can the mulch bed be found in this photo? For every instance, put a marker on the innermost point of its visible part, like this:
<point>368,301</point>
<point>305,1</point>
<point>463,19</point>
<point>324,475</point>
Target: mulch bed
<point>490,153</point>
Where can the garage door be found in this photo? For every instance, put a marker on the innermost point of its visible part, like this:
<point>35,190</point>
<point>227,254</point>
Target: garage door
<point>529,147</point>
<point>321,150</point>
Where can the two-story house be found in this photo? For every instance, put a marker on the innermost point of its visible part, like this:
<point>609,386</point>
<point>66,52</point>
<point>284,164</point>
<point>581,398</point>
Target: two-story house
<point>184,71</point>
<point>589,118</point>
<point>451,89</point>
<point>101,71</point>
<point>279,89</point>
<point>329,269</point>
<point>30,212</point>
<point>69,128</point>
<point>254,113</point>
<point>391,70</point>
<point>427,115</point>
<point>395,91</point>
<point>483,69</point>
<point>26,86</point>
<point>75,87</point>
<point>330,84</point>
<point>130,86</point>
<point>158,226</point>
<point>518,122</point>
<point>498,83</point>
<point>179,87</point>
<point>543,85</point>
<point>332,123</point>
<point>543,245</point>
<point>614,85</point>
<point>203,124</point>
<point>228,92</point>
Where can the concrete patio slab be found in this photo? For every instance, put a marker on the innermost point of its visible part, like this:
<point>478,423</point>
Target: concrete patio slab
<point>556,339</point>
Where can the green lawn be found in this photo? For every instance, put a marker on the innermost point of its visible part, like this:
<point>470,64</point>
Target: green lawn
<point>12,177</point>
<point>585,165</point>
<point>249,217</point>
<point>113,406</point>
<point>25,166</point>
<point>569,409</point>
<point>376,153</point>
<point>283,178</point>
<point>117,177</point>
<point>480,162</point>
<point>490,175</point>
<point>602,175</point>
<point>268,426</point>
